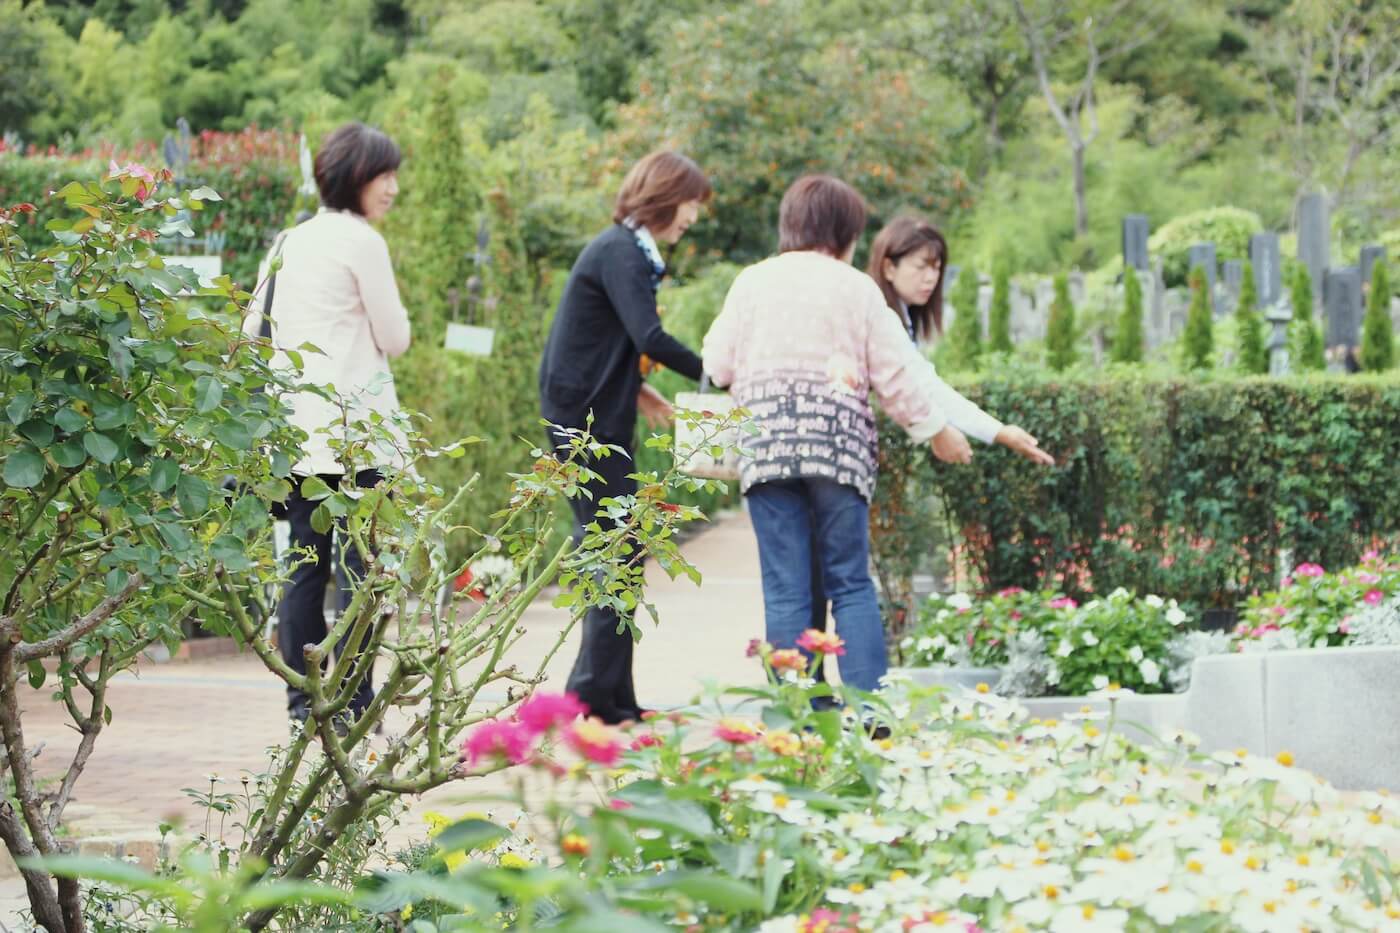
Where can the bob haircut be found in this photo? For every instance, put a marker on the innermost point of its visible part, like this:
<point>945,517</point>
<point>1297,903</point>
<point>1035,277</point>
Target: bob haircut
<point>820,213</point>
<point>904,236</point>
<point>656,186</point>
<point>351,157</point>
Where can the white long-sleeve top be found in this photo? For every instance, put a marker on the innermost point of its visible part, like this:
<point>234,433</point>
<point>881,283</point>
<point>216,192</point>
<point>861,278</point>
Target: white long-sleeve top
<point>962,413</point>
<point>336,291</point>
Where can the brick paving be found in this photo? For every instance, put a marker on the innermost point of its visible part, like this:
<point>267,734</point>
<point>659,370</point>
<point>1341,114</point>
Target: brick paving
<point>174,723</point>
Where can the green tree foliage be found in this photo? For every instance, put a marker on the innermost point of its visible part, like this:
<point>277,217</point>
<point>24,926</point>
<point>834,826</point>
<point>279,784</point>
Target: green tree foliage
<point>1378,334</point>
<point>1198,342</point>
<point>1308,353</point>
<point>1128,338</point>
<point>1061,334</point>
<point>1252,353</point>
<point>999,319</point>
<point>965,333</point>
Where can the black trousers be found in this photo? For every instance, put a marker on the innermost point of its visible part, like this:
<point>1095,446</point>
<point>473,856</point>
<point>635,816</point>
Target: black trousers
<point>602,673</point>
<point>301,619</point>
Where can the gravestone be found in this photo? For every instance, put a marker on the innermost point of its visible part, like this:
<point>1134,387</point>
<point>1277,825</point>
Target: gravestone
<point>1268,268</point>
<point>1023,318</point>
<point>1076,290</point>
<point>1279,317</point>
<point>1233,273</point>
<point>1341,301</point>
<point>1135,233</point>
<point>1202,256</point>
<point>1369,256</point>
<point>1175,304</point>
<point>1044,298</point>
<point>1314,238</point>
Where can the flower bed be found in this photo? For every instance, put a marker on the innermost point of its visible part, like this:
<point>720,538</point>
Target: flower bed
<point>1316,609</point>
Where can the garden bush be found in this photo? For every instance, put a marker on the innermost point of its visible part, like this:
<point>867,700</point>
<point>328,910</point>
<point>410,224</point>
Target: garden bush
<point>1184,488</point>
<point>1229,228</point>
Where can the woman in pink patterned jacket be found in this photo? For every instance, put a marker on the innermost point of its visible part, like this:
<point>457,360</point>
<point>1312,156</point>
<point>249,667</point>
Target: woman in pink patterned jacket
<point>803,340</point>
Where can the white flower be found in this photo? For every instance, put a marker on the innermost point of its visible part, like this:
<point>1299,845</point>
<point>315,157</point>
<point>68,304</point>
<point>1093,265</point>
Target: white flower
<point>1151,673</point>
<point>1053,677</point>
<point>924,644</point>
<point>1156,602</point>
<point>1090,639</point>
<point>1065,649</point>
<point>1175,616</point>
<point>1100,682</point>
<point>960,601</point>
<point>1119,593</point>
<point>1135,654</point>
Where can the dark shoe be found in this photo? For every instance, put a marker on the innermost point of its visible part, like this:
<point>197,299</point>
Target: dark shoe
<point>877,730</point>
<point>299,710</point>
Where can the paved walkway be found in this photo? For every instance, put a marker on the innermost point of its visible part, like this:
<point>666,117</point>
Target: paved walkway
<point>175,723</point>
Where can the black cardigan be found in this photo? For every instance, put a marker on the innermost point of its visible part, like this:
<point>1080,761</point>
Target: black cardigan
<point>606,320</point>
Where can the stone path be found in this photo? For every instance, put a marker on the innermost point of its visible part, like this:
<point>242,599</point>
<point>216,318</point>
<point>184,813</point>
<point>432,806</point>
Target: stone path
<point>175,723</point>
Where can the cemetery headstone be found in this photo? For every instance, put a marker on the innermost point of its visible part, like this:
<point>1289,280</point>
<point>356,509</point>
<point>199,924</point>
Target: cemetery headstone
<point>1233,274</point>
<point>1268,268</point>
<point>1279,316</point>
<point>1341,300</point>
<point>1202,256</point>
<point>1369,256</point>
<point>1314,238</point>
<point>1135,234</point>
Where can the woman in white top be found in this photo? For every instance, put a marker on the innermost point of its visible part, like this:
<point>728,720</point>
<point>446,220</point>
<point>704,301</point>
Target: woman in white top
<point>335,290</point>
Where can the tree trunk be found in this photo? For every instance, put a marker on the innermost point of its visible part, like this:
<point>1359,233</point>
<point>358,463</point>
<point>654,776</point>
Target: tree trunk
<point>1081,204</point>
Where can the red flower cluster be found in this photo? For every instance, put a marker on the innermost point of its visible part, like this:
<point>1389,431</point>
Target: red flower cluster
<point>514,740</point>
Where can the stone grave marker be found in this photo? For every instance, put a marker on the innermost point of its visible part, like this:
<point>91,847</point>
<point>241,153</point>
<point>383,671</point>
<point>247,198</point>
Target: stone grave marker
<point>1135,233</point>
<point>1369,256</point>
<point>1342,306</point>
<point>1314,239</point>
<point>1202,256</point>
<point>1268,268</point>
<point>1232,273</point>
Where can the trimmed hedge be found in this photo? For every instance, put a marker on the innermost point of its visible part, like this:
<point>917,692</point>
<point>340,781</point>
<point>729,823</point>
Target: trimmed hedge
<point>1181,488</point>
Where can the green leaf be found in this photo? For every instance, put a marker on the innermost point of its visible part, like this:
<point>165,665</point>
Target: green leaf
<point>193,495</point>
<point>19,407</point>
<point>37,674</point>
<point>314,489</point>
<point>470,834</point>
<point>70,420</point>
<point>102,448</point>
<point>120,357</point>
<point>164,474</point>
<point>208,393</point>
<point>38,430</point>
<point>685,817</point>
<point>24,469</point>
<point>69,454</point>
<point>774,871</point>
<point>709,888</point>
<point>205,193</point>
<point>116,579</point>
<point>321,520</point>
<point>233,434</point>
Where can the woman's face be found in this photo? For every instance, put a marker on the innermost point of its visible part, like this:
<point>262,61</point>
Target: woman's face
<point>686,214</point>
<point>377,197</point>
<point>915,275</point>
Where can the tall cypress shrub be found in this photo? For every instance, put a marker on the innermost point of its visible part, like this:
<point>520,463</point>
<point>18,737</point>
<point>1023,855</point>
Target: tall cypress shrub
<point>1377,333</point>
<point>1308,353</point>
<point>1198,343</point>
<point>1060,333</point>
<point>999,324</point>
<point>1252,353</point>
<point>965,335</point>
<point>1128,341</point>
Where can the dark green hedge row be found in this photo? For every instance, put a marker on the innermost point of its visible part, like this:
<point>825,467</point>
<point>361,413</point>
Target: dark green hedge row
<point>1181,488</point>
<point>258,202</point>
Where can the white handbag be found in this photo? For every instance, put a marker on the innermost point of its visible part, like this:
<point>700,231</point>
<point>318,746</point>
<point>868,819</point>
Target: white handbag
<point>701,463</point>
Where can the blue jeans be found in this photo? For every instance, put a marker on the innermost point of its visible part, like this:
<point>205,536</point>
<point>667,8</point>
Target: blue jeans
<point>790,518</point>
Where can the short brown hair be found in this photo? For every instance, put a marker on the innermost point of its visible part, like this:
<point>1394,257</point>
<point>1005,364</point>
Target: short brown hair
<point>656,186</point>
<point>351,157</point>
<point>820,212</point>
<point>899,238</point>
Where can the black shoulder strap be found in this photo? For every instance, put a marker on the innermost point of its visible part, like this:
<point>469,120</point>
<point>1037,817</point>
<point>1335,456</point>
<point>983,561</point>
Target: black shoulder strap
<point>265,331</point>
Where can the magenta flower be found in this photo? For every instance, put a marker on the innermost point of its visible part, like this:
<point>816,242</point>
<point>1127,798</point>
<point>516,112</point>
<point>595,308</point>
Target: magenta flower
<point>1309,570</point>
<point>1064,602</point>
<point>1368,579</point>
<point>1344,626</point>
<point>1373,597</point>
<point>599,743</point>
<point>498,738</point>
<point>545,711</point>
<point>819,642</point>
<point>1010,591</point>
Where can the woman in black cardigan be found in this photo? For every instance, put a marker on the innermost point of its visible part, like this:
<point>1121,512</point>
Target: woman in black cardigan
<point>606,322</point>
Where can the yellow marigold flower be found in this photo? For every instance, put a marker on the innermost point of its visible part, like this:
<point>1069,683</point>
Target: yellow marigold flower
<point>574,844</point>
<point>782,743</point>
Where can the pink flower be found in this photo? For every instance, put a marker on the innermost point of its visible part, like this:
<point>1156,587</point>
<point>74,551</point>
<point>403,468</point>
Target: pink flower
<point>825,920</point>
<point>134,170</point>
<point>645,740</point>
<point>1010,591</point>
<point>1278,611</point>
<point>821,643</point>
<point>1371,555</point>
<point>1309,570</point>
<point>1373,597</point>
<point>599,743</point>
<point>788,659</point>
<point>736,731</point>
<point>1285,583</point>
<point>1368,579</point>
<point>755,648</point>
<point>1064,602</point>
<point>545,711</point>
<point>1015,616</point>
<point>498,738</point>
<point>1344,626</point>
<point>615,804</point>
